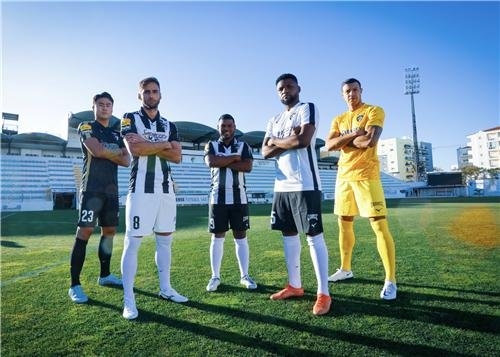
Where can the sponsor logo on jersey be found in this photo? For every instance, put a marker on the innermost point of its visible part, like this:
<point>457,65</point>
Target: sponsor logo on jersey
<point>153,136</point>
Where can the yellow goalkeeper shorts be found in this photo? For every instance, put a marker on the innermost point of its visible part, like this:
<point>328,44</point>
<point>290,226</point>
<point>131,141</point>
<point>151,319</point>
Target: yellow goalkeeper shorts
<point>359,198</point>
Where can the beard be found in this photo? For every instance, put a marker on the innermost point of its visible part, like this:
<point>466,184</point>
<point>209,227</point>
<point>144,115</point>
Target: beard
<point>152,104</point>
<point>290,100</point>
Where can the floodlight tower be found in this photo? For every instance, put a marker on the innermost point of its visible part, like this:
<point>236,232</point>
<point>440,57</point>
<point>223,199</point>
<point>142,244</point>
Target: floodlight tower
<point>412,86</point>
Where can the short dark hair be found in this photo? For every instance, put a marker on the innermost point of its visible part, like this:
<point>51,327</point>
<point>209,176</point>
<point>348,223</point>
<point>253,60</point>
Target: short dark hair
<point>226,117</point>
<point>286,76</point>
<point>148,80</point>
<point>102,95</point>
<point>350,81</point>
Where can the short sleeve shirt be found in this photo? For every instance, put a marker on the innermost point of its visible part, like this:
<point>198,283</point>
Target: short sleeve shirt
<point>98,174</point>
<point>150,174</point>
<point>228,185</point>
<point>296,169</point>
<point>356,164</point>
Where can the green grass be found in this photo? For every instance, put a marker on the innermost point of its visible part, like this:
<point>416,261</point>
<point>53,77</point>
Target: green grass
<point>448,299</point>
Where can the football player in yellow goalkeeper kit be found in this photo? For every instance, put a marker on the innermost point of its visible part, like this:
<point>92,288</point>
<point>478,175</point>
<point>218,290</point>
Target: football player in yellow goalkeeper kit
<point>358,190</point>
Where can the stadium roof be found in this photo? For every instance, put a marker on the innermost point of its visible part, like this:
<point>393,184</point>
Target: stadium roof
<point>319,143</point>
<point>74,119</point>
<point>36,138</point>
<point>192,132</point>
<point>195,132</point>
<point>254,138</point>
<point>33,140</point>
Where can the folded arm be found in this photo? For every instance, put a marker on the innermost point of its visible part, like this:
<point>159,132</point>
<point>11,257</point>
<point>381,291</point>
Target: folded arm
<point>109,151</point>
<point>168,150</point>
<point>335,141</point>
<point>369,139</point>
<point>301,137</point>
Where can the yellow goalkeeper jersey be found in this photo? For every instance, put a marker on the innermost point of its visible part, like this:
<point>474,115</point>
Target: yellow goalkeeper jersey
<point>358,164</point>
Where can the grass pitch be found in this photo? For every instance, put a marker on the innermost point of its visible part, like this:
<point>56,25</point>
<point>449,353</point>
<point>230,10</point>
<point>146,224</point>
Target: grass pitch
<point>448,298</point>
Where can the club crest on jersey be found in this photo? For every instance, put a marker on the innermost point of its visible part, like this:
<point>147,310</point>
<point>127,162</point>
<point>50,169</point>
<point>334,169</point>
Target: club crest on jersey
<point>85,127</point>
<point>359,117</point>
<point>85,130</point>
<point>125,124</point>
<point>312,219</point>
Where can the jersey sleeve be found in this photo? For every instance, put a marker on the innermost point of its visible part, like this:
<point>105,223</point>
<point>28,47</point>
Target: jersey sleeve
<point>309,114</point>
<point>85,131</point>
<point>334,126</point>
<point>121,143</point>
<point>376,117</point>
<point>269,129</point>
<point>247,152</point>
<point>174,134</point>
<point>209,149</point>
<point>127,124</point>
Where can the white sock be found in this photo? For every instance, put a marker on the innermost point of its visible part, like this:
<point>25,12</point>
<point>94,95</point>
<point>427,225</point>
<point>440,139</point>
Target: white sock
<point>242,254</point>
<point>319,257</point>
<point>216,253</point>
<point>163,256</point>
<point>129,265</point>
<point>292,247</point>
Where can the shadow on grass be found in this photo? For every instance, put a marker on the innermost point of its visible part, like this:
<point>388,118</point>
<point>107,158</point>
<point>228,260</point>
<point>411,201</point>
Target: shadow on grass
<point>10,244</point>
<point>400,309</point>
<point>414,306</point>
<point>211,332</point>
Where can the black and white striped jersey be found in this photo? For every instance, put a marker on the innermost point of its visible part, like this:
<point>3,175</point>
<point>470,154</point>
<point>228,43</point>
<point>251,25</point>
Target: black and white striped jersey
<point>150,174</point>
<point>228,185</point>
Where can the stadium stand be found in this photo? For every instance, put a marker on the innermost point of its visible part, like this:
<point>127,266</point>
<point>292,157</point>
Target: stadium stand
<point>43,172</point>
<point>46,183</point>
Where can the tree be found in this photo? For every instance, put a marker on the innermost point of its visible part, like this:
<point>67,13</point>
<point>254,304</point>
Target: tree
<point>470,172</point>
<point>493,173</point>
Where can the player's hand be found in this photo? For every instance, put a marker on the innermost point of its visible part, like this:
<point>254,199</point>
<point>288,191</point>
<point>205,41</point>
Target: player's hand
<point>167,145</point>
<point>134,138</point>
<point>360,132</point>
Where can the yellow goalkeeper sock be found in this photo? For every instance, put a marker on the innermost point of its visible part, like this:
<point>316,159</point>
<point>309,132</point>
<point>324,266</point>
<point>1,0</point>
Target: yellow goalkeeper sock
<point>385,246</point>
<point>346,243</point>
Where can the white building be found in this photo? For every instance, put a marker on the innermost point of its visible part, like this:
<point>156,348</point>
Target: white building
<point>396,158</point>
<point>426,156</point>
<point>463,157</point>
<point>484,148</point>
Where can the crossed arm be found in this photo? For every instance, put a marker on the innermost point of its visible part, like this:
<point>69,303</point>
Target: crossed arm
<point>168,150</point>
<point>112,152</point>
<point>361,138</point>
<point>300,138</point>
<point>234,162</point>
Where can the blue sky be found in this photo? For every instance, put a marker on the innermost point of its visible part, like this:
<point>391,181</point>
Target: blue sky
<point>223,57</point>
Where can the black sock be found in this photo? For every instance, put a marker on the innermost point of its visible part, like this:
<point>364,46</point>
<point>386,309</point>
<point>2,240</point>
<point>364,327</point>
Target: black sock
<point>104,253</point>
<point>77,259</point>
